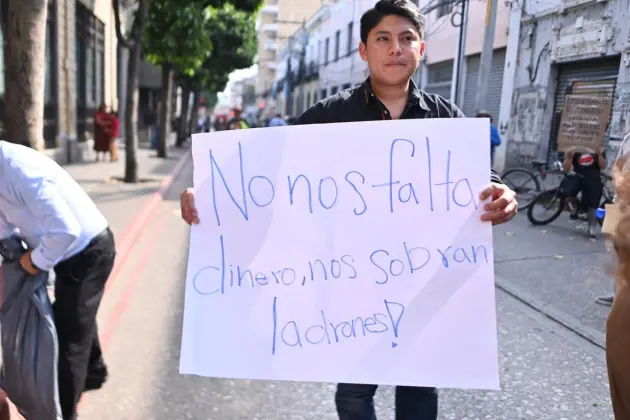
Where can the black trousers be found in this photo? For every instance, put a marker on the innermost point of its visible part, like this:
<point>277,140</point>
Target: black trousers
<point>79,287</point>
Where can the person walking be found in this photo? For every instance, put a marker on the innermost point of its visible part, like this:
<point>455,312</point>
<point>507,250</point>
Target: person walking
<point>101,138</point>
<point>392,44</point>
<point>112,131</point>
<point>65,232</point>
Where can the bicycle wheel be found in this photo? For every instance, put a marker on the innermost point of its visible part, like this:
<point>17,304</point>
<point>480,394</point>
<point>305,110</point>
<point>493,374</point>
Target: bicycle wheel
<point>546,207</point>
<point>524,183</point>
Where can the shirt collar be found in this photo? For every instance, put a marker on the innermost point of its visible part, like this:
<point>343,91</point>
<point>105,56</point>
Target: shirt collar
<point>415,95</point>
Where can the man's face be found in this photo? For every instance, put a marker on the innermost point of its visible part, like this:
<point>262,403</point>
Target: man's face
<point>393,50</point>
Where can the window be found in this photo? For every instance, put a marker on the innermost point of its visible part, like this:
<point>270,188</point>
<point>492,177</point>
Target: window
<point>323,93</point>
<point>326,48</point>
<point>319,51</point>
<point>308,99</point>
<point>346,86</point>
<point>334,90</point>
<point>1,64</point>
<point>445,9</point>
<point>350,41</point>
<point>90,55</point>
<point>337,41</point>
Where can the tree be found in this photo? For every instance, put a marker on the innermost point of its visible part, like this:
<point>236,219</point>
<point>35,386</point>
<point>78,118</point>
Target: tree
<point>234,32</point>
<point>24,71</point>
<point>138,13</point>
<point>176,40</point>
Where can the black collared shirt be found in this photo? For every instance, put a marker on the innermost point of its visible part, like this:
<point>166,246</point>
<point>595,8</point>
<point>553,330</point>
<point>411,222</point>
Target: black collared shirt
<point>361,104</point>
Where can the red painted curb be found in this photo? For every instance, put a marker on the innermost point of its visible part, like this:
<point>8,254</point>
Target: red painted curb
<point>140,220</point>
<point>123,303</point>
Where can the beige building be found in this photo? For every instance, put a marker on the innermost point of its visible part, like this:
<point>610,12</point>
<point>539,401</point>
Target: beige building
<point>80,72</point>
<point>278,20</point>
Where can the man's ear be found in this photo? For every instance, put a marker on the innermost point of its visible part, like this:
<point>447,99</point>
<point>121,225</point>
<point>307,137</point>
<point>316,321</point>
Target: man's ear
<point>422,50</point>
<point>363,51</point>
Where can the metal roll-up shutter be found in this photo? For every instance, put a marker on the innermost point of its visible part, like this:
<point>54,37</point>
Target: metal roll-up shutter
<point>440,76</point>
<point>495,84</point>
<point>590,78</point>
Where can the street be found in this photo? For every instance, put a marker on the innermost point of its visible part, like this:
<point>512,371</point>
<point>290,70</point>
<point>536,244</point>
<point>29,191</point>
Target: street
<point>548,370</point>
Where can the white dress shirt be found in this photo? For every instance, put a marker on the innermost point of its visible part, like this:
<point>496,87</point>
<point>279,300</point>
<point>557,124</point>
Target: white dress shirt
<point>43,204</point>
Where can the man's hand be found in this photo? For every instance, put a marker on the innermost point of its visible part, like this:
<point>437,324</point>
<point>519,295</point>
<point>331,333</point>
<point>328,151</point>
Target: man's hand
<point>187,206</point>
<point>27,264</point>
<point>503,206</point>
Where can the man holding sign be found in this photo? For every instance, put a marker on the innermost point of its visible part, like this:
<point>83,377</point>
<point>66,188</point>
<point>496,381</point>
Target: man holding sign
<point>392,44</point>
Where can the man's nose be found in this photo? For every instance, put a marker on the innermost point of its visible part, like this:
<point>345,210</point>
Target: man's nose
<point>395,48</point>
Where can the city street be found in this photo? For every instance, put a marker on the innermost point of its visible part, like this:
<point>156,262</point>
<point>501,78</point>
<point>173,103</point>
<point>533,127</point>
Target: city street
<point>548,371</point>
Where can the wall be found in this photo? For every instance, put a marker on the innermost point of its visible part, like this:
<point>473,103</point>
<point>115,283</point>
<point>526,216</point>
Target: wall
<point>68,148</point>
<point>552,33</point>
<point>441,35</point>
<point>349,68</point>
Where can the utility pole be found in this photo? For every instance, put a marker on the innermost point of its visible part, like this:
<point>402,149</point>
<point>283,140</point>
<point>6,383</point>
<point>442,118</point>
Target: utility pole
<point>458,63</point>
<point>486,55</point>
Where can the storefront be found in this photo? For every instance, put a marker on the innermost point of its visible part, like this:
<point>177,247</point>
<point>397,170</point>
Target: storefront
<point>590,78</point>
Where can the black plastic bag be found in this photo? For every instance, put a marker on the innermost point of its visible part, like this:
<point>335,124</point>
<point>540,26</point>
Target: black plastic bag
<point>28,337</point>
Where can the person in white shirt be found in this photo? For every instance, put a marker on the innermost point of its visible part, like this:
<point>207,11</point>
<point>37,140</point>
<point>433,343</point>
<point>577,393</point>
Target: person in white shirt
<point>65,232</point>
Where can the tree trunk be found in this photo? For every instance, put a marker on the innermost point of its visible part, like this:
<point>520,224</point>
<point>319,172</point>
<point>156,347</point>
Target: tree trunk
<point>165,109</point>
<point>131,107</point>
<point>194,115</point>
<point>182,134</point>
<point>24,72</point>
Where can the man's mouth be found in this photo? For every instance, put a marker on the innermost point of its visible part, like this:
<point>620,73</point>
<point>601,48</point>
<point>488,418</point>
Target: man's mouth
<point>396,64</point>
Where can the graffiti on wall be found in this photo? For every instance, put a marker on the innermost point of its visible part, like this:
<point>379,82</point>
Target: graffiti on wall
<point>620,119</point>
<point>525,143</point>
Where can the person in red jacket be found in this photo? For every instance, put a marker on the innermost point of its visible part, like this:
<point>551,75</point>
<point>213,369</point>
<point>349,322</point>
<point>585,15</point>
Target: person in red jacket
<point>112,131</point>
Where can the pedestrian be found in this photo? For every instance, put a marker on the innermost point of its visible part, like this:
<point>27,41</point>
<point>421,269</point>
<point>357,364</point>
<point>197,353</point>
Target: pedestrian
<point>392,44</point>
<point>101,138</point>
<point>237,122</point>
<point>112,131</point>
<point>65,232</point>
<point>277,121</point>
<point>495,137</point>
<point>588,167</point>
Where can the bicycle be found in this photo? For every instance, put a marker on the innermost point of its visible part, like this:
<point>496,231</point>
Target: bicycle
<point>528,184</point>
<point>556,200</point>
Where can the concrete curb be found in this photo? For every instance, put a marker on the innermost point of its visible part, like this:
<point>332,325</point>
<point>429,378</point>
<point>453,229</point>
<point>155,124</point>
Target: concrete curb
<point>578,327</point>
<point>141,219</point>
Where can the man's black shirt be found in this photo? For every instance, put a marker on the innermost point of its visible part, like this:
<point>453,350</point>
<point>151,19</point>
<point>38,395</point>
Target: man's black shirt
<point>361,104</point>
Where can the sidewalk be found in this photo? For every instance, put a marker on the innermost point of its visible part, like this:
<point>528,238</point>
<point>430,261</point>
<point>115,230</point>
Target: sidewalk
<point>121,202</point>
<point>557,269</point>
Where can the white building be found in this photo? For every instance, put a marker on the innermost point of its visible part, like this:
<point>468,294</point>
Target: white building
<point>565,47</point>
<point>333,38</point>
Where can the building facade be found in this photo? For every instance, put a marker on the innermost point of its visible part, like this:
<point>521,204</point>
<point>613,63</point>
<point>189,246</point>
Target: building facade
<point>278,20</point>
<point>332,60</point>
<point>566,47</point>
<point>436,72</point>
<point>80,72</point>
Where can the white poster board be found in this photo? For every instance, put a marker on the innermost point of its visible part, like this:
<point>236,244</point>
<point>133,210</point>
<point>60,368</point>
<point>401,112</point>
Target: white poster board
<point>343,253</point>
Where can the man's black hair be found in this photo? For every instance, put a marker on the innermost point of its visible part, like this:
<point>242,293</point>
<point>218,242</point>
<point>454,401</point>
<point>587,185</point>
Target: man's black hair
<point>383,8</point>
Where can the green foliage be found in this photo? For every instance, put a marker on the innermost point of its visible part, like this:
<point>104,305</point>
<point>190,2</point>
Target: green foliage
<point>176,35</point>
<point>233,33</point>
